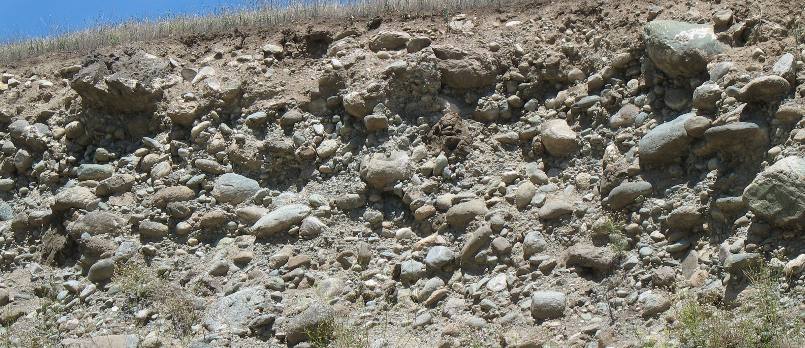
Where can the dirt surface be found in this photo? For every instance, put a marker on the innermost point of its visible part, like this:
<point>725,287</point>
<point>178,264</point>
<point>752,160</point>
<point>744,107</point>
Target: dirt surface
<point>525,176</point>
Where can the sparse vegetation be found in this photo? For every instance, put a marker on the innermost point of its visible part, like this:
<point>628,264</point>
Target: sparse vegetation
<point>265,15</point>
<point>44,329</point>
<point>759,323</point>
<point>338,333</point>
<point>145,288</point>
<point>136,281</point>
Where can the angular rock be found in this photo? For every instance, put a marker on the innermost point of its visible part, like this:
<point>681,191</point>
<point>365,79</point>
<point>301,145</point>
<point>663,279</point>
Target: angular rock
<point>653,303</point>
<point>122,86</point>
<point>411,271</point>
<point>235,311</point>
<point>439,256</point>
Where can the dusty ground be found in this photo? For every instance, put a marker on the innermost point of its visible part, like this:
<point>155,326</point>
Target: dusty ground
<point>466,101</point>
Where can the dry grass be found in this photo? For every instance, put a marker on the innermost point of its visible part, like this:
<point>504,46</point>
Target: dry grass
<point>266,14</point>
<point>144,288</point>
<point>763,323</point>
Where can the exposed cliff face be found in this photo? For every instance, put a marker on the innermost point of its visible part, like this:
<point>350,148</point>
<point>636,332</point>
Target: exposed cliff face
<point>567,173</point>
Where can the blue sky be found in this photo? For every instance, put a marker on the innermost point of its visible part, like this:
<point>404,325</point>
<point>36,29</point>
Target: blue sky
<point>36,18</point>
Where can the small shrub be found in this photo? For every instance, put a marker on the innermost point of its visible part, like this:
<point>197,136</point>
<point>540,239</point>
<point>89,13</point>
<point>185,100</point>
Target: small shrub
<point>759,324</point>
<point>338,333</point>
<point>136,281</point>
<point>143,287</point>
<point>182,312</point>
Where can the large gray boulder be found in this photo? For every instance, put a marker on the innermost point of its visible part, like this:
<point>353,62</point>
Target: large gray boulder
<point>736,137</point>
<point>234,188</point>
<point>680,49</point>
<point>778,193</point>
<point>280,220</point>
<point>666,142</point>
<point>128,85</point>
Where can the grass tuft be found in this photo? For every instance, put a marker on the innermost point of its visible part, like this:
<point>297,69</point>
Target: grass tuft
<point>760,323</point>
<point>338,333</point>
<point>144,288</point>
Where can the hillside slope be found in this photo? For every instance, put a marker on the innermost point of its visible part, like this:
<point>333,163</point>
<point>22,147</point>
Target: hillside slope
<point>576,174</point>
